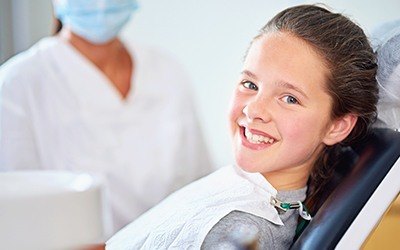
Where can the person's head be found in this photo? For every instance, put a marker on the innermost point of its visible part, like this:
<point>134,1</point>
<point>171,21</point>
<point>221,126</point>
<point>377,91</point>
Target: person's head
<point>97,21</point>
<point>308,84</point>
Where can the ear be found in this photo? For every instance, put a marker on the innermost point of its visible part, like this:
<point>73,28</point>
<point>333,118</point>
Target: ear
<point>339,129</point>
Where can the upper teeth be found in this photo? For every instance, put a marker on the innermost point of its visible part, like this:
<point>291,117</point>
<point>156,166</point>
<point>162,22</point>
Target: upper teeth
<point>257,139</point>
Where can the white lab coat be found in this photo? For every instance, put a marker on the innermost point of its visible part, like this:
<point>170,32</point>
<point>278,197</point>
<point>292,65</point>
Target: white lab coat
<point>58,111</point>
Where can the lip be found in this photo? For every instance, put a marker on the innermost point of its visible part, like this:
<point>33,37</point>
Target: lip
<point>258,132</point>
<point>253,146</point>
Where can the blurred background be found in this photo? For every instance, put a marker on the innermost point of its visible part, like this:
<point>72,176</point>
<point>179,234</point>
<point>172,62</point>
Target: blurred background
<point>208,37</point>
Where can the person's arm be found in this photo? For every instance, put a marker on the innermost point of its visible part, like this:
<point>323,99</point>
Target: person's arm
<point>239,230</point>
<point>101,246</point>
<point>198,154</point>
<point>17,145</point>
<point>194,156</point>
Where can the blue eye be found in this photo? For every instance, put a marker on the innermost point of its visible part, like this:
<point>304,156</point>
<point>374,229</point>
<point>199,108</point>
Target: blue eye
<point>290,99</point>
<point>250,85</point>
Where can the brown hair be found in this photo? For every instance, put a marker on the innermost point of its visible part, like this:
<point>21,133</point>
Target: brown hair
<point>57,26</point>
<point>351,83</point>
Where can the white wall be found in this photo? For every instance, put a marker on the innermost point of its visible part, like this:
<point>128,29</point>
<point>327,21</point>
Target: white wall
<point>31,21</point>
<point>209,37</point>
<point>6,44</point>
<point>22,23</point>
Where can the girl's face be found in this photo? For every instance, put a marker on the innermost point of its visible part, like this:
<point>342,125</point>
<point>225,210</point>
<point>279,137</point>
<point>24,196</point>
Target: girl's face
<point>280,114</point>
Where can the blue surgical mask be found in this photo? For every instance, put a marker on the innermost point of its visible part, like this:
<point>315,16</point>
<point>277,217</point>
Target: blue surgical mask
<point>98,21</point>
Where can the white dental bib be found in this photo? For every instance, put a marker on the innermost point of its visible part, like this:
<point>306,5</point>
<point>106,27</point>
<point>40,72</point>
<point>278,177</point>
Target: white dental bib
<point>184,218</point>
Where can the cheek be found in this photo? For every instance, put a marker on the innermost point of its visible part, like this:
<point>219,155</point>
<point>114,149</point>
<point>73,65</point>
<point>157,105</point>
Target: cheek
<point>292,130</point>
<point>300,128</point>
<point>236,108</point>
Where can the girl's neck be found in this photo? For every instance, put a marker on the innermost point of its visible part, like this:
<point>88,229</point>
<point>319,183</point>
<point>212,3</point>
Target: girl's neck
<point>288,179</point>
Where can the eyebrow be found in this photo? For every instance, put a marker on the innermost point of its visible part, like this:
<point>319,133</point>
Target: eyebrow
<point>250,74</point>
<point>281,84</point>
<point>291,86</point>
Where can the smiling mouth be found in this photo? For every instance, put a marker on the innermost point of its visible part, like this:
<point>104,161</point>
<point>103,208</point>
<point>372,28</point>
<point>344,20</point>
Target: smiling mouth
<point>256,138</point>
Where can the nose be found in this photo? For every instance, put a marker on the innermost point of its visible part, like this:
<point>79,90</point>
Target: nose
<point>257,110</point>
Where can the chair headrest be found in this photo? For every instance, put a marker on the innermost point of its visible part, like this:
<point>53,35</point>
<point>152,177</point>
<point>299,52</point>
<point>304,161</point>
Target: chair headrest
<point>387,45</point>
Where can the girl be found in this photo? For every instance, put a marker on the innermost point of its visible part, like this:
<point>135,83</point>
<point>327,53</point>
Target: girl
<point>307,87</point>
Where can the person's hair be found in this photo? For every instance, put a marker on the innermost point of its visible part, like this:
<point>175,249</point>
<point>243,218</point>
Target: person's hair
<point>351,83</point>
<point>57,26</point>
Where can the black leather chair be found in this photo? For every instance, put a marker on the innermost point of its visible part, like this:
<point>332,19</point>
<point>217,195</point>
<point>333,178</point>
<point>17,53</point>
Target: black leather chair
<point>360,197</point>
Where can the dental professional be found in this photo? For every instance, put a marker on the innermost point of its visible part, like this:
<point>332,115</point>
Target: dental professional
<point>84,100</point>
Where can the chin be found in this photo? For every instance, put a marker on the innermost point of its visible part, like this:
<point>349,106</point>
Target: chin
<point>246,165</point>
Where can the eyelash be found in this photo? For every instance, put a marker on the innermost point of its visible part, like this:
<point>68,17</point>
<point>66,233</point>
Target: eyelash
<point>252,86</point>
<point>249,85</point>
<point>293,99</point>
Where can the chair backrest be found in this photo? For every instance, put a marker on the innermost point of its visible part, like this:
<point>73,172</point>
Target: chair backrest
<point>360,198</point>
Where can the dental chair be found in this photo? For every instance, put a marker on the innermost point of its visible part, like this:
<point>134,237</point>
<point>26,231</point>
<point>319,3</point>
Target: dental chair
<point>359,196</point>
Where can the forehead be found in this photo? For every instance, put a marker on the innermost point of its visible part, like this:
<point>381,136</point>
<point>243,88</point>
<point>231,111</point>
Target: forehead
<point>280,56</point>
